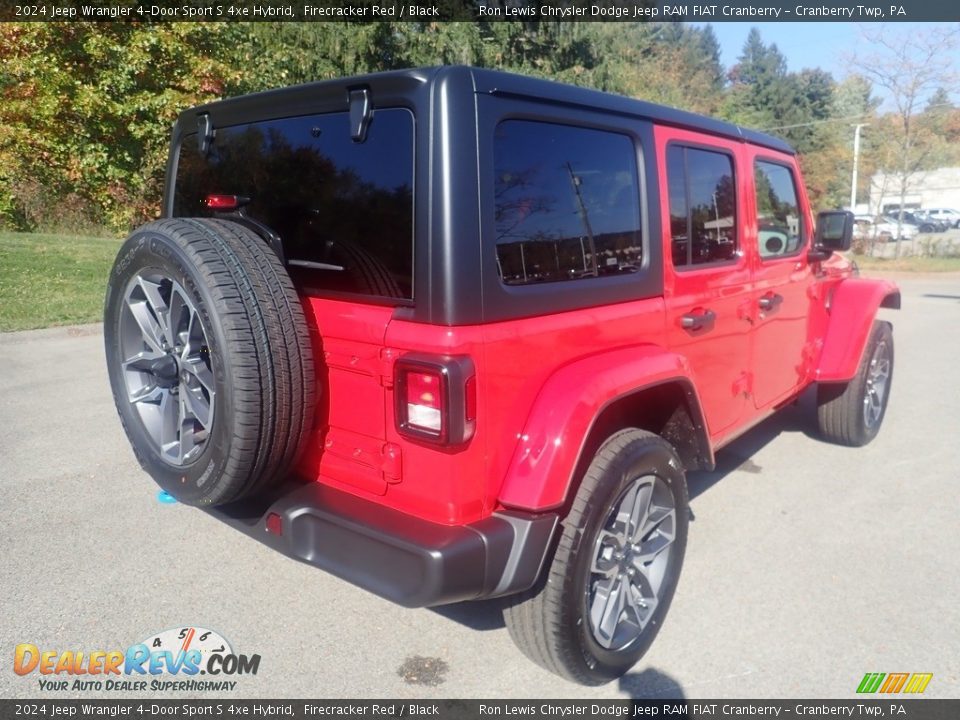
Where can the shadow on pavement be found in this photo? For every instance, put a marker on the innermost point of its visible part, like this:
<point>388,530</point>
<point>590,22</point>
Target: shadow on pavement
<point>474,614</point>
<point>738,455</point>
<point>650,683</point>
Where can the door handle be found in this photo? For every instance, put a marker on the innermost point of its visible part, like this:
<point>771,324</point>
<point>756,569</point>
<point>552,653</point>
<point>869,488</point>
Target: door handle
<point>770,301</point>
<point>703,320</point>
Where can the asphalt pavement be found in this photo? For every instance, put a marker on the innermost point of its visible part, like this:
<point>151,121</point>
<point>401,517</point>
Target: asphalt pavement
<point>808,564</point>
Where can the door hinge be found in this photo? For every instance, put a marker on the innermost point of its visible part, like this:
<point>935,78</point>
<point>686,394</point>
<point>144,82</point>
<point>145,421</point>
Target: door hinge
<point>387,357</point>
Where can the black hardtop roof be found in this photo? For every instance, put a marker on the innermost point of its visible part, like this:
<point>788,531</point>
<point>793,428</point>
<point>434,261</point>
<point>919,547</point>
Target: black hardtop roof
<point>496,82</point>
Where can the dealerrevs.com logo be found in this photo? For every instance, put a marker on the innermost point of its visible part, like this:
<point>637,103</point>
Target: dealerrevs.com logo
<point>168,661</point>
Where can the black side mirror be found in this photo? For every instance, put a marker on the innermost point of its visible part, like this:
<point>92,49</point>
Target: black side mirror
<point>834,233</point>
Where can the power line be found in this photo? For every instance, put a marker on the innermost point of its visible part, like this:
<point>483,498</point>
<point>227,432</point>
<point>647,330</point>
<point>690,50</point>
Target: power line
<point>844,119</point>
<point>817,122</point>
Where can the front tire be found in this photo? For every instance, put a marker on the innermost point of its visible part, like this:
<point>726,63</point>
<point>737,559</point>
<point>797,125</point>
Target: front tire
<point>603,599</point>
<point>851,413</point>
<point>209,358</point>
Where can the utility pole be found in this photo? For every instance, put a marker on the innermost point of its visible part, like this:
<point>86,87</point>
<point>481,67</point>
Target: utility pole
<point>856,160</point>
<point>575,182</point>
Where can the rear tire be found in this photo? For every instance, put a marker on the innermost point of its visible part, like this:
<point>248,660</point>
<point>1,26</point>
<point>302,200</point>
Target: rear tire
<point>851,413</point>
<point>602,600</point>
<point>209,358</point>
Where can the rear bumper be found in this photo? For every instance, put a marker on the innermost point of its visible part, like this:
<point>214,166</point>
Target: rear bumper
<point>402,558</point>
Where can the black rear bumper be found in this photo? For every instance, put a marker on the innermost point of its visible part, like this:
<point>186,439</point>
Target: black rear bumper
<point>397,556</point>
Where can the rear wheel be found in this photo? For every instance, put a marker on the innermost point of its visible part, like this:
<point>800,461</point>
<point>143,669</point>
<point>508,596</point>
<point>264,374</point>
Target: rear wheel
<point>209,358</point>
<point>605,595</point>
<point>851,413</point>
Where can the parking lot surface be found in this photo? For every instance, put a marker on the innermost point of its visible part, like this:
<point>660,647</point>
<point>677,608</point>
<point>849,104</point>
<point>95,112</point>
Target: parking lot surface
<point>808,564</point>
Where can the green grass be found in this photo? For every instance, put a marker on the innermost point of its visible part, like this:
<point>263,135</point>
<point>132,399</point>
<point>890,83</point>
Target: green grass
<point>909,264</point>
<point>48,280</point>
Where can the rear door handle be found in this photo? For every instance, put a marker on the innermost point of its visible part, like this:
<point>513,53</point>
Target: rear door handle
<point>770,301</point>
<point>702,320</point>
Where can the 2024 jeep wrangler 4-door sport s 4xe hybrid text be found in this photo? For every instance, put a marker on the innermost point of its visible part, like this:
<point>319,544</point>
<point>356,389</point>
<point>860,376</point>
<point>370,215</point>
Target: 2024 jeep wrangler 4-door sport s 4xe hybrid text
<point>454,334</point>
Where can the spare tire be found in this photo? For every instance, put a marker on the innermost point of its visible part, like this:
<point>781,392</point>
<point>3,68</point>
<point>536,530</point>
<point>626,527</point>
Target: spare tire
<point>209,358</point>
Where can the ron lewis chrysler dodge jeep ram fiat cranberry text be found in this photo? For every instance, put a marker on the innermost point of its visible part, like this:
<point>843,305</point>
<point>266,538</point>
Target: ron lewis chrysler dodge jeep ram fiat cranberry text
<point>454,334</point>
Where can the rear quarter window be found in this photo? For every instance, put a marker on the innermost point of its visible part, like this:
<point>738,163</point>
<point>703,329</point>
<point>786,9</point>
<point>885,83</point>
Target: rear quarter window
<point>566,203</point>
<point>344,210</point>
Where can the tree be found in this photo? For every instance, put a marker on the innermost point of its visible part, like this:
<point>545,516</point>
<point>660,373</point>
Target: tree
<point>853,103</point>
<point>86,114</point>
<point>910,67</point>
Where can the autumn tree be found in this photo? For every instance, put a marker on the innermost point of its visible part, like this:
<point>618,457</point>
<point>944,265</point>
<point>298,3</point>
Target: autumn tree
<point>909,67</point>
<point>86,114</point>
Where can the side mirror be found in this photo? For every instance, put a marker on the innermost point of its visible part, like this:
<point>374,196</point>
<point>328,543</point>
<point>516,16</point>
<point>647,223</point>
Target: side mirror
<point>834,232</point>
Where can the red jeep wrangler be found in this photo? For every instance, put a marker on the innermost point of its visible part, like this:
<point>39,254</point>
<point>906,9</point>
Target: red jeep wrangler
<point>454,334</point>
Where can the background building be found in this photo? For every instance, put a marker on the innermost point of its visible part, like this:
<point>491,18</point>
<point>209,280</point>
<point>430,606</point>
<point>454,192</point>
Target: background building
<point>930,189</point>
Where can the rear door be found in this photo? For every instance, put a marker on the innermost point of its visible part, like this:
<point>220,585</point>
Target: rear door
<point>707,275</point>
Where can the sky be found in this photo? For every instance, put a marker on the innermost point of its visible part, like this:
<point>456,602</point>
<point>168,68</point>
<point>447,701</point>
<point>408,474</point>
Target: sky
<point>826,45</point>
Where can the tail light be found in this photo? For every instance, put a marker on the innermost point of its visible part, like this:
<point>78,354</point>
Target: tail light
<point>436,398</point>
<point>225,203</point>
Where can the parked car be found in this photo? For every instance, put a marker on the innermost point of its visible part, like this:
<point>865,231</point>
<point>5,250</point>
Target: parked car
<point>453,334</point>
<point>947,215</point>
<point>908,230</point>
<point>883,228</point>
<point>924,223</point>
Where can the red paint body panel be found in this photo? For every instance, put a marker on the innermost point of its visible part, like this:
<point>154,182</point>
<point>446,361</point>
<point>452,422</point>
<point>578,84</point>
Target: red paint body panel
<point>352,413</point>
<point>780,348</point>
<point>542,381</point>
<point>540,472</point>
<point>853,307</point>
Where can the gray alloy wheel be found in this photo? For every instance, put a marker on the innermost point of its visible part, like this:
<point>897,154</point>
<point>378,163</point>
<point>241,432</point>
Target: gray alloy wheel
<point>878,377</point>
<point>601,601</point>
<point>167,366</point>
<point>630,558</point>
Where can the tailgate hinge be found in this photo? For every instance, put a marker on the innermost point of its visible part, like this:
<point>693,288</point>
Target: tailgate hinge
<point>390,463</point>
<point>387,357</point>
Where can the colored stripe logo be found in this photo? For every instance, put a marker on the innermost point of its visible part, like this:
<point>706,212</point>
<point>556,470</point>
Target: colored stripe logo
<point>894,683</point>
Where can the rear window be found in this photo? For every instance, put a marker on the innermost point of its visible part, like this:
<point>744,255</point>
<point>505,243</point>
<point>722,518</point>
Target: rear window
<point>567,203</point>
<point>344,210</point>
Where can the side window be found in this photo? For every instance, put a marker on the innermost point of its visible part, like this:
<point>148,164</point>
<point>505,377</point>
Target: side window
<point>567,203</point>
<point>779,223</point>
<point>703,206</point>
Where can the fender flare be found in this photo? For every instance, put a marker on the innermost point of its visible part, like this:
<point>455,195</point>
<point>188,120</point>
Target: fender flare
<point>540,474</point>
<point>852,307</point>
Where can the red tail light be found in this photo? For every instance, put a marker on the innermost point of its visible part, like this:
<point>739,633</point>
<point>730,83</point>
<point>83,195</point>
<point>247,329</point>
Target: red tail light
<point>424,391</point>
<point>436,398</point>
<point>224,203</point>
